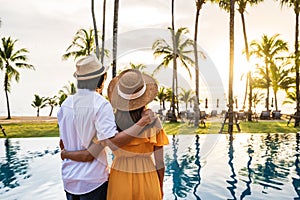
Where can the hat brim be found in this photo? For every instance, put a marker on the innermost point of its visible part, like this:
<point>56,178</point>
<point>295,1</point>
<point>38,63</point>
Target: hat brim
<point>126,105</point>
<point>88,76</point>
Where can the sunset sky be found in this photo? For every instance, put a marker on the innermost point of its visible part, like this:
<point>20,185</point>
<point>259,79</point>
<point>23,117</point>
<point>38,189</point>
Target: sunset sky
<point>46,29</point>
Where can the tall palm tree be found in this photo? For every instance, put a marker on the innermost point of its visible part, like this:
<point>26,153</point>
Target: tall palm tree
<point>103,31</point>
<point>231,66</point>
<point>267,49</point>
<point>39,103</point>
<point>296,5</point>
<point>242,4</point>
<point>95,28</point>
<point>183,51</point>
<point>199,4</point>
<point>186,96</point>
<point>115,38</point>
<point>10,60</point>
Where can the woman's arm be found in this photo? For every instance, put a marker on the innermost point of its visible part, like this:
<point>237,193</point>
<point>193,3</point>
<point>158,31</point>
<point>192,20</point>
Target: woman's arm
<point>114,143</point>
<point>160,165</point>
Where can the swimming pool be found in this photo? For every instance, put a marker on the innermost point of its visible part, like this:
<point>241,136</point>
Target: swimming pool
<point>212,166</point>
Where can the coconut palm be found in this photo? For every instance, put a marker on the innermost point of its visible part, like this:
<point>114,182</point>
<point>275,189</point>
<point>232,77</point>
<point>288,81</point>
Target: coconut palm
<point>10,60</point>
<point>267,49</point>
<point>296,5</point>
<point>115,37</point>
<point>69,89</point>
<point>280,78</point>
<point>242,5</point>
<point>103,31</point>
<point>257,98</point>
<point>182,52</point>
<point>161,97</point>
<point>199,4</point>
<point>83,44</point>
<point>52,102</point>
<point>186,96</point>
<point>95,28</point>
<point>39,103</point>
<point>290,97</point>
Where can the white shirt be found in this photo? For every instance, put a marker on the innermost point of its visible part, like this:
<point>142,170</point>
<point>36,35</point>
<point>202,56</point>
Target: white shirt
<point>81,117</point>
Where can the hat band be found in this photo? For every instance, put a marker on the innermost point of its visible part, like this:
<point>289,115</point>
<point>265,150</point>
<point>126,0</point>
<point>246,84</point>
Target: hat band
<point>134,95</point>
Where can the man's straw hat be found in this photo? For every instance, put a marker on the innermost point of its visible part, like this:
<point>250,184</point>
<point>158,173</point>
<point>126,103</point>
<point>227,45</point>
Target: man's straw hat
<point>89,67</point>
<point>131,90</point>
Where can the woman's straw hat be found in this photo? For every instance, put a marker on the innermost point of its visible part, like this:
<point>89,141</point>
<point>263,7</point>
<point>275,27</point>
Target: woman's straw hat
<point>89,67</point>
<point>131,90</point>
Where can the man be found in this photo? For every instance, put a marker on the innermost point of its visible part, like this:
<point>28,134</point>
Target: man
<point>82,117</point>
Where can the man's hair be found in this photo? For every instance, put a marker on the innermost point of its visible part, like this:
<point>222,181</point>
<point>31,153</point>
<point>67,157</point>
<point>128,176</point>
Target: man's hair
<point>90,84</point>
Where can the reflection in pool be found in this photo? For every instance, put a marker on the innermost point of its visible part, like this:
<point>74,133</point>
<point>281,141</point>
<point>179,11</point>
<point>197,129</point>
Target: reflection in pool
<point>238,166</point>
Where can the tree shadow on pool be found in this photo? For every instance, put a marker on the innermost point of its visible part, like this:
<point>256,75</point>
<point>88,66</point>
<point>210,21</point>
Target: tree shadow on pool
<point>14,167</point>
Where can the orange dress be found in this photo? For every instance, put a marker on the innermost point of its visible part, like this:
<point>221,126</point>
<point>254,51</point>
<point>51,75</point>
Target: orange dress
<point>133,174</point>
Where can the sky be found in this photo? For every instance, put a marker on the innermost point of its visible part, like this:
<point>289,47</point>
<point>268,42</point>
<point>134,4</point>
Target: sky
<point>47,27</point>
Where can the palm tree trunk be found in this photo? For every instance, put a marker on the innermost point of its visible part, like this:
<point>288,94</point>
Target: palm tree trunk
<point>174,118</point>
<point>50,114</point>
<point>297,120</point>
<point>249,77</point>
<point>231,66</point>
<point>38,112</point>
<point>95,29</point>
<point>196,102</point>
<point>6,95</point>
<point>268,86</point>
<point>275,99</point>
<point>103,32</point>
<point>115,38</point>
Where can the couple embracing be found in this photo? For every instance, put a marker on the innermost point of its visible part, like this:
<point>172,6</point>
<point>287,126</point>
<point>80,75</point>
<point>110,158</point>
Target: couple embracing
<point>88,123</point>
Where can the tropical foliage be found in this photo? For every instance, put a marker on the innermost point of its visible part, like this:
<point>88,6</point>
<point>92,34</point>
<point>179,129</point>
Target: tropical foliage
<point>39,103</point>
<point>11,60</point>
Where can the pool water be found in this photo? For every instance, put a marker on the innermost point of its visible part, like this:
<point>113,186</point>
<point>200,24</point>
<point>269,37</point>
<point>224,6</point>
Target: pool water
<point>207,167</point>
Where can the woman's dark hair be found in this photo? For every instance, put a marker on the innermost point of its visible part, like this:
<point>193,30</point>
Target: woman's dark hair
<point>102,78</point>
<point>126,119</point>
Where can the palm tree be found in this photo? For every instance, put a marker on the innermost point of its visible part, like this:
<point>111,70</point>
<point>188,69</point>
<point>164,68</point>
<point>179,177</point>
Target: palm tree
<point>161,97</point>
<point>65,92</point>
<point>267,49</point>
<point>280,78</point>
<point>103,31</point>
<point>39,103</point>
<point>83,44</point>
<point>95,28</point>
<point>242,4</point>
<point>199,4</point>
<point>231,66</point>
<point>115,38</point>
<point>257,98</point>
<point>52,102</point>
<point>68,89</point>
<point>290,97</point>
<point>161,47</point>
<point>10,59</point>
<point>186,96</point>
<point>296,5</point>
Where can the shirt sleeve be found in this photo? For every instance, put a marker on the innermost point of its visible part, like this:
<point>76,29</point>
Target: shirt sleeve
<point>105,122</point>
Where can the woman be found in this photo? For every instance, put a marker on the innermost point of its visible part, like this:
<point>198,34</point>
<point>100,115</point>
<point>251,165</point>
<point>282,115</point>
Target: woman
<point>133,173</point>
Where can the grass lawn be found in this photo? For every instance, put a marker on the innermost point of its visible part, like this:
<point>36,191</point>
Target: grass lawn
<point>50,129</point>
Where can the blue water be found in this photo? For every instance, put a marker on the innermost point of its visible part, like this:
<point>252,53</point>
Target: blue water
<point>213,166</point>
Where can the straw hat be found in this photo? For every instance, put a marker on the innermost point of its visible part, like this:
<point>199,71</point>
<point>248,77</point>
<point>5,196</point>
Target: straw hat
<point>89,67</point>
<point>131,90</point>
